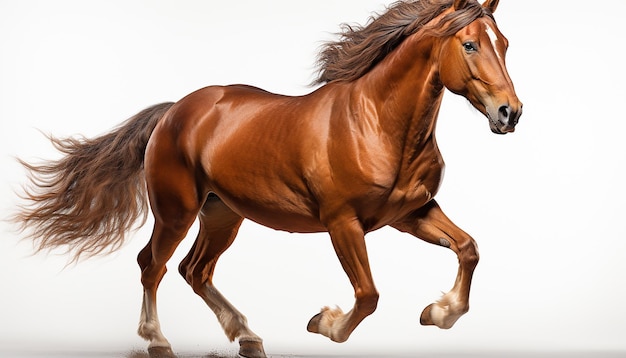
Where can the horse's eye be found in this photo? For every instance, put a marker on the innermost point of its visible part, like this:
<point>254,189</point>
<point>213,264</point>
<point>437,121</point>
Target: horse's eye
<point>469,47</point>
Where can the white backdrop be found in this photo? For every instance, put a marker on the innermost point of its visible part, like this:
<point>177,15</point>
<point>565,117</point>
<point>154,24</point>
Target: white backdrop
<point>546,204</point>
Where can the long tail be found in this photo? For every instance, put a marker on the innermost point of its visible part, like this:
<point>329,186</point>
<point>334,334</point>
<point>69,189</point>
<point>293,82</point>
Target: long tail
<point>86,201</point>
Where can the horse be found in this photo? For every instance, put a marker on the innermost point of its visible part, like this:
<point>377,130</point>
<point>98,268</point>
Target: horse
<point>354,155</point>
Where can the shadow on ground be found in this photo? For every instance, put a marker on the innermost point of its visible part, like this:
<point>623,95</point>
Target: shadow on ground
<point>232,354</point>
<point>469,354</point>
<point>144,354</point>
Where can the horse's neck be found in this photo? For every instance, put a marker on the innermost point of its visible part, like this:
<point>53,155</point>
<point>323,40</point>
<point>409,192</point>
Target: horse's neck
<point>407,87</point>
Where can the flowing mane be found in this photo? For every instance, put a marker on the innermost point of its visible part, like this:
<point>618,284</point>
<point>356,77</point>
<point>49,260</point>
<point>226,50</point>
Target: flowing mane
<point>360,48</point>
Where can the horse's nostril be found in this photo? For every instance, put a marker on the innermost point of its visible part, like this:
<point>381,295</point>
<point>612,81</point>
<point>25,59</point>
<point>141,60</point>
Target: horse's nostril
<point>504,113</point>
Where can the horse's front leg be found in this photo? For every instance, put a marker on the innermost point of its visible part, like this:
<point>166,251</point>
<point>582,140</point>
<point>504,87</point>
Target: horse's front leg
<point>430,224</point>
<point>348,240</point>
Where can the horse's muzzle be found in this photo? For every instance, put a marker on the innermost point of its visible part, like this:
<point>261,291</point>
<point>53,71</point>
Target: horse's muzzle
<point>506,119</point>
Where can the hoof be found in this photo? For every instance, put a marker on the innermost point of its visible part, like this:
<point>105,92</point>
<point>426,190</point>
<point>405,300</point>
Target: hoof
<point>314,323</point>
<point>251,349</point>
<point>425,319</point>
<point>161,352</point>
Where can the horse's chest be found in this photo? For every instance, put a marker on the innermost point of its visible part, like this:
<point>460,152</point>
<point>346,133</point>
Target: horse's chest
<point>411,191</point>
<point>418,190</point>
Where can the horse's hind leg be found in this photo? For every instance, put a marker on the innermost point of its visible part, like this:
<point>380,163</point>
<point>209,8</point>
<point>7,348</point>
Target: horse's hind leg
<point>218,228</point>
<point>175,205</point>
<point>432,225</point>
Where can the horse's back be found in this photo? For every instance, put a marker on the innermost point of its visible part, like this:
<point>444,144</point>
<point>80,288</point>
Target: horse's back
<point>211,115</point>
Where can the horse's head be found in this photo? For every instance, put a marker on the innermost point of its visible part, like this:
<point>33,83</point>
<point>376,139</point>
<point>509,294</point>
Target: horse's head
<point>472,64</point>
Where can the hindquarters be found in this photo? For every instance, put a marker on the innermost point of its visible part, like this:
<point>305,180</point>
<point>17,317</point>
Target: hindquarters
<point>255,150</point>
<point>180,191</point>
<point>176,195</point>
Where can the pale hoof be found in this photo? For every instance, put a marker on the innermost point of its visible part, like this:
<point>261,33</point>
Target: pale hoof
<point>425,318</point>
<point>314,324</point>
<point>325,323</point>
<point>442,317</point>
<point>161,352</point>
<point>251,349</point>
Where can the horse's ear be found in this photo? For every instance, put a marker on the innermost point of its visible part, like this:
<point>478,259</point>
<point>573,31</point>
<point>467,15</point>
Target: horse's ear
<point>459,4</point>
<point>491,5</point>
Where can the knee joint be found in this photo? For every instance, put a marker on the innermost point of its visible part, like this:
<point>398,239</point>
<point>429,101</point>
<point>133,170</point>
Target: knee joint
<point>368,302</point>
<point>468,253</point>
<point>195,279</point>
<point>184,271</point>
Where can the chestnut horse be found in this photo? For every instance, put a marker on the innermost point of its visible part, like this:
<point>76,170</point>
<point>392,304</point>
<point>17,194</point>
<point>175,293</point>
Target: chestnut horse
<point>356,154</point>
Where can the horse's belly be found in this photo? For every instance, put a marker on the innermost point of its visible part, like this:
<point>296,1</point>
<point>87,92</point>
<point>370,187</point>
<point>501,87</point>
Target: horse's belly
<point>286,213</point>
<point>289,222</point>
